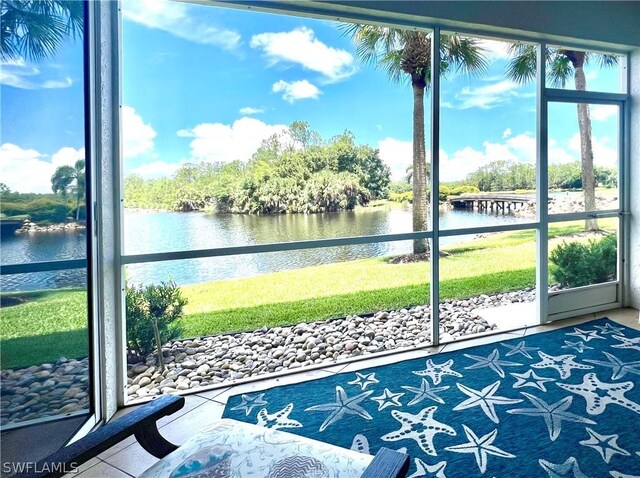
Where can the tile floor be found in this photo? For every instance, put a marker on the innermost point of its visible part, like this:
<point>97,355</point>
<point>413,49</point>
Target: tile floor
<point>128,459</point>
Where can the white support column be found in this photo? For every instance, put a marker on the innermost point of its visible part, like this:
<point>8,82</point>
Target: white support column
<point>107,203</point>
<point>542,191</point>
<point>633,142</point>
<point>435,186</point>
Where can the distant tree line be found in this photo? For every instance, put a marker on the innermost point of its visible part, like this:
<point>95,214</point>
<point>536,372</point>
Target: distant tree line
<point>510,175</point>
<point>297,171</point>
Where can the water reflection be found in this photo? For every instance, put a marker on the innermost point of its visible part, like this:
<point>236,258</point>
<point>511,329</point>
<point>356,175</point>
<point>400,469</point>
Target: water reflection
<point>149,232</point>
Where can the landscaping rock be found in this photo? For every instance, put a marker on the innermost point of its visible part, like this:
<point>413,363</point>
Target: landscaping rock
<point>225,358</point>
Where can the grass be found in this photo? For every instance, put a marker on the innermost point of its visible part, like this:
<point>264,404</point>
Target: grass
<point>53,323</point>
<point>50,325</point>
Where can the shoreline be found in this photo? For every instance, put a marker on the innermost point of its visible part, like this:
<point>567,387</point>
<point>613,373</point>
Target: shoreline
<point>29,227</point>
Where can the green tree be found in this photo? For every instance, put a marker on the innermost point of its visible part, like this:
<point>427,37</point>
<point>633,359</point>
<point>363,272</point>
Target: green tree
<point>70,179</point>
<point>35,29</point>
<point>303,135</point>
<point>406,54</point>
<point>562,65</point>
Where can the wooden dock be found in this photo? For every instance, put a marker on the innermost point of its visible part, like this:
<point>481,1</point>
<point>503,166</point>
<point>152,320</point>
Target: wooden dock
<point>490,202</point>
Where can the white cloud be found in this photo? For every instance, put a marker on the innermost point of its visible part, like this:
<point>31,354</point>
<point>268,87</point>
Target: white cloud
<point>176,19</point>
<point>157,169</point>
<point>604,152</point>
<point>214,142</point>
<point>28,171</point>
<point>248,110</point>
<point>603,112</point>
<point>65,83</point>
<point>137,136</point>
<point>300,46</point>
<point>497,49</point>
<point>296,90</point>
<point>520,148</point>
<point>461,163</point>
<point>506,133</point>
<point>398,155</point>
<point>487,96</point>
<point>558,154</point>
<point>20,74</point>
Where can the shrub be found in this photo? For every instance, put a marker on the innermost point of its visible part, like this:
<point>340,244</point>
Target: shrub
<point>400,187</point>
<point>464,190</point>
<point>405,197</point>
<point>576,264</point>
<point>40,210</point>
<point>152,312</point>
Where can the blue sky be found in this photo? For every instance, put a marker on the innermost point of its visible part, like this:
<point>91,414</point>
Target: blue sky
<point>208,84</point>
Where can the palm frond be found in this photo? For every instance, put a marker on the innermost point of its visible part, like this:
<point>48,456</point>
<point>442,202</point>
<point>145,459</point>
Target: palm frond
<point>463,54</point>
<point>35,29</point>
<point>559,70</point>
<point>607,61</point>
<point>522,66</point>
<point>379,47</point>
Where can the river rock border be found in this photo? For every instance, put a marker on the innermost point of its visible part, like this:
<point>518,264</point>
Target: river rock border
<point>60,388</point>
<point>212,360</point>
<point>29,227</point>
<point>47,390</point>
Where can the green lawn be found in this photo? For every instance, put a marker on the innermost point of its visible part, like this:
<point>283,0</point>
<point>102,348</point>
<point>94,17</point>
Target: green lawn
<point>50,325</point>
<point>53,324</point>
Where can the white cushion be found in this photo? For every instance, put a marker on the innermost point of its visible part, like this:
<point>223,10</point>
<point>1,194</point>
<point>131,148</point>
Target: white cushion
<point>236,449</point>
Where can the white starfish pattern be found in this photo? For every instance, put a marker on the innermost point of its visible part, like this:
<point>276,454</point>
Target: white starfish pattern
<point>388,399</point>
<point>436,371</point>
<point>484,399</point>
<point>530,379</point>
<point>618,368</point>
<point>279,419</point>
<point>599,394</point>
<point>552,414</point>
<point>619,474</point>
<point>421,427</point>
<point>609,329</point>
<point>585,335</point>
<point>249,402</point>
<point>569,468</point>
<point>360,444</point>
<point>606,445</point>
<point>521,349</point>
<point>364,380</point>
<point>578,346</point>
<point>633,343</point>
<point>342,406</point>
<point>425,391</point>
<point>434,471</point>
<point>562,363</point>
<point>481,447</point>
<point>492,361</point>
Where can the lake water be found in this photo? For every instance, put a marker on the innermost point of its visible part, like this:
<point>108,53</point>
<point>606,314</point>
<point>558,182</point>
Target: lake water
<point>148,232</point>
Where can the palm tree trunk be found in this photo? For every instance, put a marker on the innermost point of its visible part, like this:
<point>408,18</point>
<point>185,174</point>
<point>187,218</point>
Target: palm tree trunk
<point>420,203</point>
<point>586,151</point>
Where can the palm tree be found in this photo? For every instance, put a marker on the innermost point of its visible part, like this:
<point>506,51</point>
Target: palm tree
<point>35,29</point>
<point>70,179</point>
<point>406,54</point>
<point>408,176</point>
<point>563,64</point>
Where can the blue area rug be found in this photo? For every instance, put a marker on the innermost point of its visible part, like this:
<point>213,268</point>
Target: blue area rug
<point>554,404</point>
